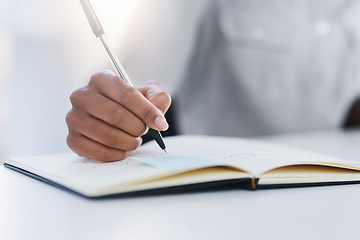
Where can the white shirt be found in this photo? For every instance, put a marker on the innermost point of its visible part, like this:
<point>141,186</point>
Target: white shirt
<point>249,68</point>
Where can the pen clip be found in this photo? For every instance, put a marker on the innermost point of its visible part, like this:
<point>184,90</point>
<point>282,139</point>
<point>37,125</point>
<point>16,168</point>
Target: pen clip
<point>92,18</point>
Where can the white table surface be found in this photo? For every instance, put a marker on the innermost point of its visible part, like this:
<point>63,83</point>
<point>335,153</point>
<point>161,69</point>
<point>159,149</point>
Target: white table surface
<point>30,209</point>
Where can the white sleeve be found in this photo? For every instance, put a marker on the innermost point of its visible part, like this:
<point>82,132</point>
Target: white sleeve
<point>159,40</point>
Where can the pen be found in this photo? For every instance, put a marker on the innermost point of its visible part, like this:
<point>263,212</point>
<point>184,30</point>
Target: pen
<point>99,32</point>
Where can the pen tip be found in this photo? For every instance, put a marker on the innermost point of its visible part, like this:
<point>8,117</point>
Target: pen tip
<point>165,151</point>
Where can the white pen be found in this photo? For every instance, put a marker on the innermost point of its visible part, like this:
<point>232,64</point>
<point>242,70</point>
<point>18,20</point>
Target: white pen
<point>99,32</point>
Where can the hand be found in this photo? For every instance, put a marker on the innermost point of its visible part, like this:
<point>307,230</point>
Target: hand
<point>108,117</point>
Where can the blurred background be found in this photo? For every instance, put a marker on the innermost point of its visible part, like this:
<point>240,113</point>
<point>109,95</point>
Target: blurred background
<point>47,50</point>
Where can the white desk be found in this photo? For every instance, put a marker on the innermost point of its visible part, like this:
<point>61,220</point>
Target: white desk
<point>30,209</point>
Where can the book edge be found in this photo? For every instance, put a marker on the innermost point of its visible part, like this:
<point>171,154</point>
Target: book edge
<point>242,183</point>
<point>308,184</point>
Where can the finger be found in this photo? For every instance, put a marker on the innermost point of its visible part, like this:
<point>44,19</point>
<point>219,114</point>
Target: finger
<point>86,147</point>
<point>101,132</point>
<point>130,98</point>
<point>108,111</point>
<point>155,93</point>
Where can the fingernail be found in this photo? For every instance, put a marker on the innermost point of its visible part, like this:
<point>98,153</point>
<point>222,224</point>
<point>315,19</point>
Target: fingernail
<point>161,123</point>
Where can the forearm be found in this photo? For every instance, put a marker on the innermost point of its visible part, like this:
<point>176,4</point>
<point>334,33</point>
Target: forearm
<point>353,117</point>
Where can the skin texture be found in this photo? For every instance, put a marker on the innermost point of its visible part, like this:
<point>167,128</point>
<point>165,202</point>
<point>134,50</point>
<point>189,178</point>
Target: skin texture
<point>108,117</point>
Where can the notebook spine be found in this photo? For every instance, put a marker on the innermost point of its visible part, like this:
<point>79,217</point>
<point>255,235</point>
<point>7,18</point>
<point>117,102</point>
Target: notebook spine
<point>254,183</point>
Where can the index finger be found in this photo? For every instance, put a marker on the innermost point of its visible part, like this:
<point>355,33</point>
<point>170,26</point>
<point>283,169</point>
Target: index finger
<point>111,86</point>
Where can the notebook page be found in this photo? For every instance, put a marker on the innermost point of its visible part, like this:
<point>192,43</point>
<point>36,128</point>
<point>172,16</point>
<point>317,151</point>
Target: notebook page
<point>82,174</point>
<point>88,176</point>
<point>252,156</point>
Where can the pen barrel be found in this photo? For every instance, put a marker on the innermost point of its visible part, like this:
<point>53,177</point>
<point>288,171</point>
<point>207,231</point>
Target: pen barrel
<point>92,18</point>
<point>99,32</point>
<point>115,61</point>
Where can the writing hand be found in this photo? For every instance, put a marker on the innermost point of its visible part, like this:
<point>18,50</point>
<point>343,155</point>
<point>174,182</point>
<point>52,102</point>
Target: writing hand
<point>108,117</point>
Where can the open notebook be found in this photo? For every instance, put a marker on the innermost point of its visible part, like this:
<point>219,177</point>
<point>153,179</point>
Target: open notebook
<point>193,161</point>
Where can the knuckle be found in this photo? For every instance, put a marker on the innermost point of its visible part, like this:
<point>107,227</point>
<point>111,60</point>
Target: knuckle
<point>127,93</point>
<point>106,155</point>
<point>118,114</point>
<point>76,120</point>
<point>100,154</point>
<point>97,77</point>
<point>72,140</point>
<point>69,140</point>
<point>100,78</point>
<point>111,138</point>
<point>74,97</point>
<point>140,130</point>
<point>78,96</point>
<point>120,156</point>
<point>70,119</point>
<point>133,144</point>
